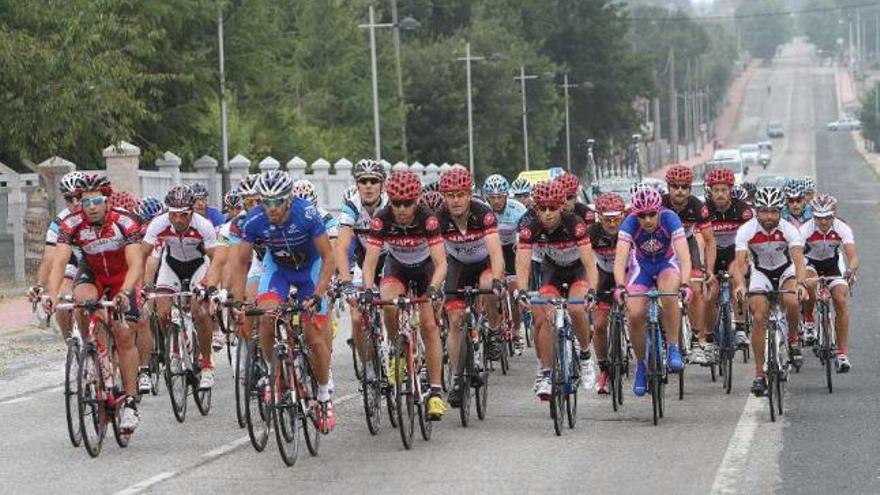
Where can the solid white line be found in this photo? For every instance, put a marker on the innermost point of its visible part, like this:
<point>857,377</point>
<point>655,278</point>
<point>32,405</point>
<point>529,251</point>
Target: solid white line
<point>16,400</point>
<point>735,458</point>
<point>225,449</point>
<point>147,483</point>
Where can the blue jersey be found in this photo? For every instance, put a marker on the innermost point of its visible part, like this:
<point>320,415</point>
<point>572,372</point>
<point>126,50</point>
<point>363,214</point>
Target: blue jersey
<point>215,216</point>
<point>804,217</point>
<point>508,221</point>
<point>652,246</point>
<point>291,244</point>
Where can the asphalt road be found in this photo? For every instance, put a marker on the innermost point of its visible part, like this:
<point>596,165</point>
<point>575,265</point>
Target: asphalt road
<point>708,443</point>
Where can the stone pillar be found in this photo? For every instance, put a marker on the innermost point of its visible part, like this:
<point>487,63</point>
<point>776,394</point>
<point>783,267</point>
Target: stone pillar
<point>51,171</point>
<point>206,166</point>
<point>320,178</point>
<point>296,167</point>
<point>268,163</point>
<point>239,168</point>
<point>169,166</point>
<point>123,159</point>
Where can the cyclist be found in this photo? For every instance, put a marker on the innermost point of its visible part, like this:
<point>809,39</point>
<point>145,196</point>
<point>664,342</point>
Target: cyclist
<point>68,186</point>
<point>201,207</point>
<point>750,189</point>
<point>610,210</point>
<point>727,215</point>
<point>298,253</point>
<point>470,230</point>
<point>111,265</point>
<point>825,235</point>
<point>653,244</point>
<point>809,189</point>
<point>796,211</point>
<point>521,190</point>
<point>415,260</point>
<point>233,205</point>
<point>508,212</point>
<point>694,216</point>
<point>185,243</point>
<point>572,186</point>
<point>774,250</point>
<point>567,259</point>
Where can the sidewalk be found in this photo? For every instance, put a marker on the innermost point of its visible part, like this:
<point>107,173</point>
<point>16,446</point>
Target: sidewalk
<point>15,315</point>
<point>847,96</point>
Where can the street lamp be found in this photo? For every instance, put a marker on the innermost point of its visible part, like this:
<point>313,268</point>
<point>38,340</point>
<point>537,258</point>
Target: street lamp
<point>565,87</point>
<point>407,23</point>
<point>468,58</point>
<point>522,78</point>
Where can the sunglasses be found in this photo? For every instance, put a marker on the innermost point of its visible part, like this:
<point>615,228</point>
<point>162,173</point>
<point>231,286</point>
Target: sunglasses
<point>611,218</point>
<point>681,187</point>
<point>274,202</point>
<point>97,201</point>
<point>795,200</point>
<point>371,182</point>
<point>404,203</point>
<point>547,208</point>
<point>647,214</point>
<point>571,198</point>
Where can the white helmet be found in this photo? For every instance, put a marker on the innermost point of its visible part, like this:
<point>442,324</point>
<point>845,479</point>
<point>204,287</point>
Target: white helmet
<point>274,184</point>
<point>305,190</point>
<point>769,197</point>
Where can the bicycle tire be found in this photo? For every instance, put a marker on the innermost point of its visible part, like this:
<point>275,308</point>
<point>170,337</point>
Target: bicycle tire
<point>426,426</point>
<point>241,353</point>
<point>527,327</point>
<point>285,411</point>
<point>464,378</point>
<point>202,397</point>
<point>772,372</point>
<point>156,356</point>
<point>571,398</point>
<point>257,412</point>
<point>728,348</point>
<point>557,390</point>
<point>71,409</point>
<point>827,351</point>
<point>681,345</point>
<point>371,391</point>
<point>614,364</point>
<point>122,438</point>
<point>355,359</point>
<point>654,374</point>
<point>311,407</point>
<point>91,408</point>
<point>175,380</point>
<point>506,352</point>
<point>481,391</point>
<point>405,402</point>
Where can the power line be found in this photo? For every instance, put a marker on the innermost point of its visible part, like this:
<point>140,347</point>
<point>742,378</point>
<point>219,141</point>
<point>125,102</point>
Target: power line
<point>722,18</point>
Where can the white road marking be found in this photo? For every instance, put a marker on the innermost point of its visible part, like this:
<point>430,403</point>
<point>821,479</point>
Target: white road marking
<point>736,455</point>
<point>25,397</point>
<point>147,483</point>
<point>16,400</point>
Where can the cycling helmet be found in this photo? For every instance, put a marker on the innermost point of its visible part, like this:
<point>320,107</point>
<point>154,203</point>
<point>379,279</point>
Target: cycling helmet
<point>456,179</point>
<point>180,198</point>
<point>199,190</point>
<point>740,192</point>
<point>432,200</point>
<point>248,185</point>
<point>232,200</point>
<point>636,187</point>
<point>403,185</point>
<point>368,168</point>
<point>94,182</point>
<point>809,184</point>
<point>680,174</point>
<point>496,185</point>
<point>549,194</point>
<point>305,190</point>
<point>70,182</point>
<point>433,186</point>
<point>795,188</point>
<point>349,193</point>
<point>610,204</point>
<point>274,184</point>
<point>124,200</point>
<point>647,199</point>
<point>750,188</point>
<point>521,187</point>
<point>149,208</point>
<point>721,175</point>
<point>769,197</point>
<point>570,183</point>
<point>824,205</point>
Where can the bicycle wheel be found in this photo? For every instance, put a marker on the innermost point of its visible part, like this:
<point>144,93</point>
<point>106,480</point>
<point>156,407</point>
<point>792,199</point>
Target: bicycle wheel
<point>90,404</point>
<point>827,349</point>
<point>772,371</point>
<point>728,349</point>
<point>241,353</point>
<point>257,407</point>
<point>406,409</point>
<point>527,327</point>
<point>175,376</point>
<point>311,407</point>
<point>71,372</point>
<point>122,438</point>
<point>506,352</point>
<point>371,390</point>
<point>557,389</point>
<point>571,397</point>
<point>681,345</point>
<point>426,426</point>
<point>481,388</point>
<point>654,374</point>
<point>285,411</point>
<point>355,360</point>
<point>202,397</point>
<point>157,363</point>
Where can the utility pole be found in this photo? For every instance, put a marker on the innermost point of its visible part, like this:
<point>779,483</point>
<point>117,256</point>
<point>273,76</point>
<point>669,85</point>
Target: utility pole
<point>522,78</point>
<point>673,108</point>
<point>565,87</point>
<point>225,185</point>
<point>398,67</point>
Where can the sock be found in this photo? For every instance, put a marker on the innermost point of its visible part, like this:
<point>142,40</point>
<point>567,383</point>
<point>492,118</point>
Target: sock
<point>323,392</point>
<point>436,389</point>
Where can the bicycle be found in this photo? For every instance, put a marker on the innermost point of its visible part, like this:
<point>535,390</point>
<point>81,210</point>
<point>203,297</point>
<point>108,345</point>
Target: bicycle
<point>72,361</point>
<point>156,366</point>
<point>473,372</point>
<point>565,368</point>
<point>776,358</point>
<point>411,385</point>
<point>374,388</point>
<point>99,381</point>
<point>725,337</point>
<point>618,353</point>
<point>826,338</point>
<point>500,340</point>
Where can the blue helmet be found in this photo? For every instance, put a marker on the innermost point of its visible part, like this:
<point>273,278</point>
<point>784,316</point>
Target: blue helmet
<point>199,190</point>
<point>496,185</point>
<point>149,208</point>
<point>521,187</point>
<point>795,188</point>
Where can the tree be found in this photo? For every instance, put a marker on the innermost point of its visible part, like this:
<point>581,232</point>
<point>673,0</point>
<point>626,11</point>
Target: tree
<point>822,27</point>
<point>764,25</point>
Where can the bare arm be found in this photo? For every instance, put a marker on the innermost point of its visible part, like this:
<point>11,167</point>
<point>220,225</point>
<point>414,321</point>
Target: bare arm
<point>343,244</point>
<point>740,268</point>
<point>621,258</point>
<point>135,260</point>
<point>56,273</point>
<point>45,265</point>
<point>711,249</point>
<point>438,256</point>
<point>328,265</point>
<point>371,259</point>
<point>217,256</point>
<point>800,267</point>
<point>852,258</point>
<point>680,246</point>
<point>588,259</point>
<point>496,256</point>
<point>523,265</point>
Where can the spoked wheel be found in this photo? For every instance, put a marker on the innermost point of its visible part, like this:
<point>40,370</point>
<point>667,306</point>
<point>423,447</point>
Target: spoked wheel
<point>557,389</point>
<point>506,352</point>
<point>356,360</point>
<point>464,378</point>
<point>780,394</point>
<point>241,356</point>
<point>122,437</point>
<point>527,327</point>
<point>175,376</point>
<point>93,423</point>
<point>727,364</point>
<point>285,412</point>
<point>258,399</point>
<point>71,373</point>
<point>406,407</point>
<point>202,397</point>
<point>157,362</point>
<point>425,425</point>
<point>654,388</point>
<point>571,396</point>
<point>827,349</point>
<point>681,384</point>
<point>481,390</point>
<point>371,391</point>
<point>311,411</point>
<point>772,387</point>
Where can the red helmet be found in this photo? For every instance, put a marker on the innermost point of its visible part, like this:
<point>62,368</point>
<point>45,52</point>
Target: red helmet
<point>94,182</point>
<point>403,185</point>
<point>570,183</point>
<point>680,174</point>
<point>722,175</point>
<point>456,179</point>
<point>124,200</point>
<point>549,194</point>
<point>610,204</point>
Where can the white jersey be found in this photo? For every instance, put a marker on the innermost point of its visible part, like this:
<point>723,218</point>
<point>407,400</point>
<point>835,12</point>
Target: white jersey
<point>769,250</point>
<point>822,246</point>
<point>182,246</point>
<point>356,216</point>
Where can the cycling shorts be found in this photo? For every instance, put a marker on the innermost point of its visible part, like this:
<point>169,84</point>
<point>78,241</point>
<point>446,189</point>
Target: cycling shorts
<point>604,296</point>
<point>724,257</point>
<point>413,278</point>
<point>459,276</point>
<point>553,277</point>
<point>108,288</point>
<point>509,252</point>
<point>764,280</point>
<point>172,273</point>
<point>828,268</point>
<point>643,274</point>
<point>276,281</point>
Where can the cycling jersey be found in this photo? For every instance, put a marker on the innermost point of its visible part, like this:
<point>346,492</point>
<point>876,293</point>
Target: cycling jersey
<point>726,223</point>
<point>605,246</point>
<point>508,221</point>
<point>230,232</point>
<point>330,223</point>
<point>769,250</point>
<point>561,245</point>
<point>584,211</point>
<point>652,246</point>
<point>694,215</point>
<point>186,246</point>
<point>291,244</point>
<point>103,244</point>
<point>468,246</point>
<point>52,240</point>
<point>822,246</point>
<point>354,214</point>
<point>216,217</point>
<point>797,221</point>
<point>409,244</point>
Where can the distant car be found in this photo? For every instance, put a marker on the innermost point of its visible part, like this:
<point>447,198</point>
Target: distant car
<point>845,124</point>
<point>765,153</point>
<point>698,189</point>
<point>771,181</point>
<point>749,154</point>
<point>619,185</point>
<point>774,129</point>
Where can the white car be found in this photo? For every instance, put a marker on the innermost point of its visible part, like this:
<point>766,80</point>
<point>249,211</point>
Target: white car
<point>765,153</point>
<point>749,154</point>
<point>845,124</point>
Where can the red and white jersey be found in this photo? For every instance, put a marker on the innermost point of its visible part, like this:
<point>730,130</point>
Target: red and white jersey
<point>185,246</point>
<point>769,250</point>
<point>103,244</point>
<point>821,246</point>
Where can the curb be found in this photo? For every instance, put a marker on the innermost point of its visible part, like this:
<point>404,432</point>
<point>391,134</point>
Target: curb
<point>840,79</point>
